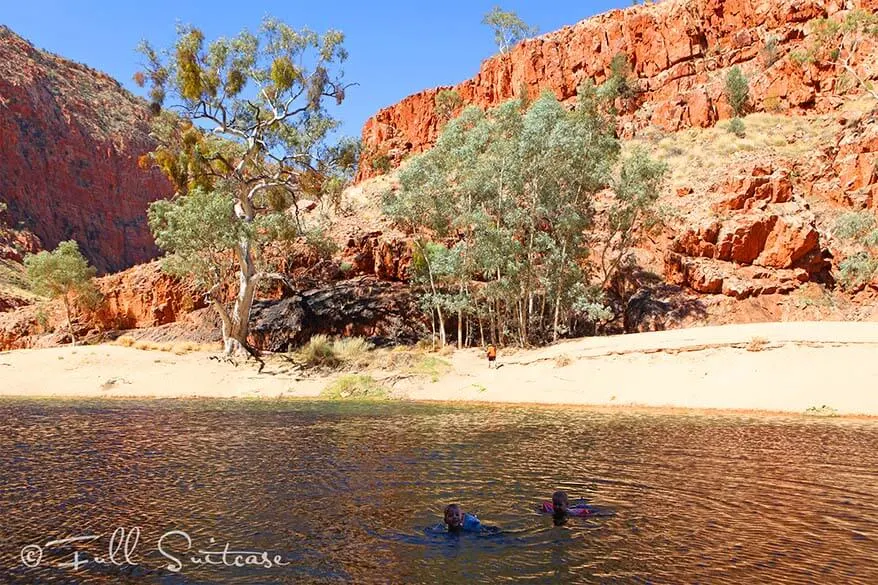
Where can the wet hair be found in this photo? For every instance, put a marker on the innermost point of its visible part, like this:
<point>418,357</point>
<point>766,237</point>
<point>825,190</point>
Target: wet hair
<point>451,507</point>
<point>559,497</point>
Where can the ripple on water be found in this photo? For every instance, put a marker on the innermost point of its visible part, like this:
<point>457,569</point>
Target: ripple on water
<point>348,494</point>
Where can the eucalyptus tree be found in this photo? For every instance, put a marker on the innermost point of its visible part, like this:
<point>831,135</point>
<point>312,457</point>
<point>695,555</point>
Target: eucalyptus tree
<point>62,273</point>
<point>251,137</point>
<point>508,28</point>
<point>511,192</point>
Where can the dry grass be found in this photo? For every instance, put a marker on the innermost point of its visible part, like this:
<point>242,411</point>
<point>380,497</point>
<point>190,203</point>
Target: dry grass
<point>176,347</point>
<point>757,344</point>
<point>355,387</point>
<point>319,352</point>
<point>352,351</point>
<point>563,360</point>
<point>698,156</point>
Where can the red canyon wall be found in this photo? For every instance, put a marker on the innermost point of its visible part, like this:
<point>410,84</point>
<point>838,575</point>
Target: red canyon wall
<point>678,49</point>
<point>70,138</point>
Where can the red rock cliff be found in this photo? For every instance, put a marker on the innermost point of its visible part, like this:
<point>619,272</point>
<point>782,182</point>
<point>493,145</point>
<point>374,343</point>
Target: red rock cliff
<point>70,138</point>
<point>678,50</point>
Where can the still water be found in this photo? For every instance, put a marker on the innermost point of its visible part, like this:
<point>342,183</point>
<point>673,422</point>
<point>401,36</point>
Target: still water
<point>346,493</point>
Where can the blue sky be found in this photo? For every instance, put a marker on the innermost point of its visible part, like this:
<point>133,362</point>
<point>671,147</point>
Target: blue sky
<point>396,48</point>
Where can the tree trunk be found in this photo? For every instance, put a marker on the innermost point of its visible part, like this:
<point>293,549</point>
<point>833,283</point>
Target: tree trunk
<point>236,326</point>
<point>69,321</point>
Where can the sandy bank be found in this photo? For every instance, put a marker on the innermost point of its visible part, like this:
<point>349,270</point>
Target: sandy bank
<point>786,367</point>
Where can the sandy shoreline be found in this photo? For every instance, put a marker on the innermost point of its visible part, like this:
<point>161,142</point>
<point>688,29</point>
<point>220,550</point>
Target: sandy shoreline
<point>766,367</point>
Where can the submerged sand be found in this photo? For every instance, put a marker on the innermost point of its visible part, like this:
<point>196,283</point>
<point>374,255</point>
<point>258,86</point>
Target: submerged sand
<point>785,367</point>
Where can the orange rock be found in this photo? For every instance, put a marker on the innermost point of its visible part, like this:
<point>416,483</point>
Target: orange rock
<point>678,51</point>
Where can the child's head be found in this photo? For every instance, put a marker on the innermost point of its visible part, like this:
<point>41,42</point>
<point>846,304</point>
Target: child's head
<point>453,517</point>
<point>560,502</point>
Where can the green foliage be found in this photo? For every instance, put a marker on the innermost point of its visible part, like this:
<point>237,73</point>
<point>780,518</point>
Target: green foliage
<point>254,136</point>
<point>63,273</point>
<point>860,268</point>
<point>199,230</point>
<point>381,163</point>
<point>355,387</point>
<point>736,126</point>
<point>447,102</point>
<point>60,273</point>
<point>737,91</point>
<point>508,28</point>
<point>835,41</point>
<point>856,226</point>
<point>621,82</point>
<point>770,52</point>
<point>508,196</point>
<point>857,270</point>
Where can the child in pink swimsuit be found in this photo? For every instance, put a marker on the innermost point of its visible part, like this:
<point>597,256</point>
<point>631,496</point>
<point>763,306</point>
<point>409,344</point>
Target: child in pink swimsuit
<point>560,508</point>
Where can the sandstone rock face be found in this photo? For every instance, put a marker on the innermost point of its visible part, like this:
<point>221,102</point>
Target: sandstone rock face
<point>376,254</point>
<point>143,296</point>
<point>761,241</point>
<point>70,138</point>
<point>678,49</point>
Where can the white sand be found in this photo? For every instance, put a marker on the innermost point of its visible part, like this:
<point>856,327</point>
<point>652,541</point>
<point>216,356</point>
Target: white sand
<point>799,365</point>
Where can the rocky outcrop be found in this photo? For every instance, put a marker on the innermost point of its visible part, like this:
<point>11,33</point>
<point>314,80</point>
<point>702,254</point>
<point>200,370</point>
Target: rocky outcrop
<point>761,240</point>
<point>70,138</point>
<point>367,307</point>
<point>679,51</point>
<point>387,257</point>
<point>143,296</point>
<point>850,177</point>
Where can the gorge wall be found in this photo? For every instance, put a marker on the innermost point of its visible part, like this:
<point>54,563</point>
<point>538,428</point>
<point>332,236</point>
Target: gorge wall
<point>678,49</point>
<point>70,138</point>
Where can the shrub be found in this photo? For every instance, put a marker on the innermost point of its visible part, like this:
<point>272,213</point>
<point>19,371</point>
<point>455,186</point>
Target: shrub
<point>381,163</point>
<point>857,270</point>
<point>319,351</point>
<point>352,350</point>
<point>447,102</point>
<point>563,360</point>
<point>736,127</point>
<point>770,53</point>
<point>126,341</point>
<point>757,344</point>
<point>357,387</point>
<point>737,91</point>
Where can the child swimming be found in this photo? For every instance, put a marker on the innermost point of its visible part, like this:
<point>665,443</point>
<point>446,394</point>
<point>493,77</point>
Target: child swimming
<point>561,510</point>
<point>456,520</point>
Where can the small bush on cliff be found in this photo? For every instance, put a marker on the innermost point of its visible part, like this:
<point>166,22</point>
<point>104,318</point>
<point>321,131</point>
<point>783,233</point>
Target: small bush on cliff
<point>621,82</point>
<point>737,91</point>
<point>770,52</point>
<point>63,273</point>
<point>447,102</point>
<point>508,28</point>
<point>860,268</point>
<point>835,43</point>
<point>736,126</point>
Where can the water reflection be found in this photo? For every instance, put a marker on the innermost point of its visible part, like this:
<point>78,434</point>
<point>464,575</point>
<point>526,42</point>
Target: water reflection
<point>347,494</point>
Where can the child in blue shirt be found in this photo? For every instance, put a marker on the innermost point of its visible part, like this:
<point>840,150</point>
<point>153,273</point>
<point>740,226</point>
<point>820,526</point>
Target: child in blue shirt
<point>457,521</point>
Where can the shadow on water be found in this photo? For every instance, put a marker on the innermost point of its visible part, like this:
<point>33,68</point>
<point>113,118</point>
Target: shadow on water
<point>354,493</point>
